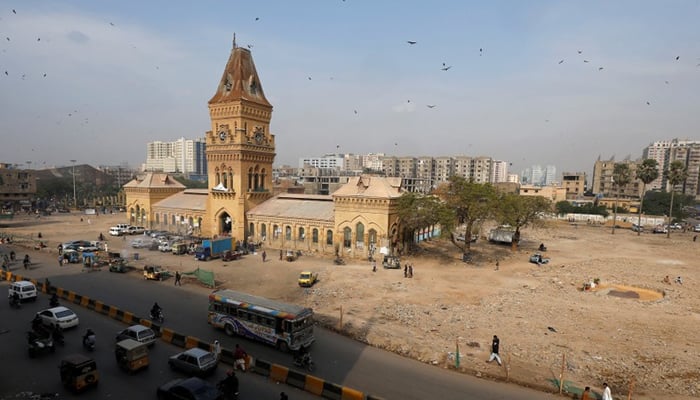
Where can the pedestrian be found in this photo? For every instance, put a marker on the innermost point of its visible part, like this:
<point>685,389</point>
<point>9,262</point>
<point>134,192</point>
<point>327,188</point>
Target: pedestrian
<point>60,249</point>
<point>60,261</point>
<point>679,280</point>
<point>374,266</point>
<point>177,279</point>
<point>606,392</point>
<point>283,396</point>
<point>280,254</point>
<point>216,349</point>
<point>264,255</point>
<point>410,270</point>
<point>405,271</point>
<point>586,395</point>
<point>494,350</point>
<point>239,357</point>
<point>695,238</point>
<point>497,265</point>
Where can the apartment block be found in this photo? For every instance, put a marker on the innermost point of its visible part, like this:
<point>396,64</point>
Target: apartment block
<point>574,183</point>
<point>603,184</point>
<point>184,156</point>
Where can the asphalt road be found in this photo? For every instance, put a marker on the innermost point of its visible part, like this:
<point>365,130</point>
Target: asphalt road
<point>21,374</point>
<point>338,359</point>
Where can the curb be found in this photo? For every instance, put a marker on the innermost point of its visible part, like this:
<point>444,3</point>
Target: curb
<point>275,372</point>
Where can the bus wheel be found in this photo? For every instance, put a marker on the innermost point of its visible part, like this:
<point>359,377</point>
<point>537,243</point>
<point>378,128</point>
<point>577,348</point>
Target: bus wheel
<point>282,346</point>
<point>229,330</point>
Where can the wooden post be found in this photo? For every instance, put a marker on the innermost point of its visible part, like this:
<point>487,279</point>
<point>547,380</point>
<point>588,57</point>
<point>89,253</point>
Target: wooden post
<point>340,323</point>
<point>561,374</point>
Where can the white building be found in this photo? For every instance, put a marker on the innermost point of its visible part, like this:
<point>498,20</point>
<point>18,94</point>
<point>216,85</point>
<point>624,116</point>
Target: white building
<point>184,156</point>
<point>327,161</point>
<point>499,171</point>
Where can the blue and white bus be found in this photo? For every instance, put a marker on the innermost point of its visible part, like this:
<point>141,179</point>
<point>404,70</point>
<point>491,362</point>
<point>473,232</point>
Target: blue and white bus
<point>285,326</point>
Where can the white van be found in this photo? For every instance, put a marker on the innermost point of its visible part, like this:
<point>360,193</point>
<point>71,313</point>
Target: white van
<point>115,231</point>
<point>24,289</point>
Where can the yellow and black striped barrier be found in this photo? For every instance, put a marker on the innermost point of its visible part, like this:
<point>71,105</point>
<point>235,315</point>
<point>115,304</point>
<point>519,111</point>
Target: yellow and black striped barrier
<point>275,372</point>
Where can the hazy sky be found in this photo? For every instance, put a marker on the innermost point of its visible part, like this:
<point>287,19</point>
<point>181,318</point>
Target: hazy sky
<point>122,73</point>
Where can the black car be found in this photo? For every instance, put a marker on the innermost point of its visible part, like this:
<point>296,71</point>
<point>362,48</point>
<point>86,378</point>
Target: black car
<point>191,388</point>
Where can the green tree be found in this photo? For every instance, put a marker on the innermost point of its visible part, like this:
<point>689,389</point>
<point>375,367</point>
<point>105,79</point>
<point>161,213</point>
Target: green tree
<point>521,211</point>
<point>564,207</point>
<point>622,176</point>
<point>417,211</point>
<point>470,203</point>
<point>676,174</point>
<point>647,172</point>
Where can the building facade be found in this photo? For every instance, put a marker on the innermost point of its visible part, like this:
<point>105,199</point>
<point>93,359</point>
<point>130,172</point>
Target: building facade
<point>575,184</point>
<point>183,156</point>
<point>17,187</point>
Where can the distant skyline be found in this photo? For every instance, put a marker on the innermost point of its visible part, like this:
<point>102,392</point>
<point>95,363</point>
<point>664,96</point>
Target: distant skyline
<point>537,82</point>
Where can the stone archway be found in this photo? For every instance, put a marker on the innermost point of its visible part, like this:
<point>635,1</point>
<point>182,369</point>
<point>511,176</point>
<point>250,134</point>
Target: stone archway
<point>225,224</point>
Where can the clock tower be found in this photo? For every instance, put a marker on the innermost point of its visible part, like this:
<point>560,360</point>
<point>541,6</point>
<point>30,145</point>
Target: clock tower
<point>240,148</point>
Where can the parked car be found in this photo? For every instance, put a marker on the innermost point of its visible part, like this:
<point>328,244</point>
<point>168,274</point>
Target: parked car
<point>307,278</point>
<point>24,289</point>
<point>660,229</point>
<point>696,228</point>
<point>194,361</point>
<point>191,388</point>
<point>637,228</point>
<point>676,226</point>
<point>139,333</point>
<point>135,230</point>
<point>165,248</point>
<point>58,316</point>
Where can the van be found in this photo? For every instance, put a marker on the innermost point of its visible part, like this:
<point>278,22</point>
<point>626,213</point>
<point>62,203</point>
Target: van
<point>115,231</point>
<point>24,289</point>
<point>124,228</point>
<point>139,333</point>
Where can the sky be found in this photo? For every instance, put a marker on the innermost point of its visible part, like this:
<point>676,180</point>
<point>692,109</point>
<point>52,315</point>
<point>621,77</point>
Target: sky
<point>529,82</point>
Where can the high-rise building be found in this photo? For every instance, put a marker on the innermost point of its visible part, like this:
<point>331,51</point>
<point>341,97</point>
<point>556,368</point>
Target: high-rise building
<point>658,151</point>
<point>327,161</point>
<point>184,156</point>
<point>499,171</point>
<point>604,184</point>
<point>687,152</point>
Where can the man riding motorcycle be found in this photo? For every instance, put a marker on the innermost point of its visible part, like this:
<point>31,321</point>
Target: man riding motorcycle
<point>53,302</point>
<point>156,312</point>
<point>89,339</point>
<point>229,385</point>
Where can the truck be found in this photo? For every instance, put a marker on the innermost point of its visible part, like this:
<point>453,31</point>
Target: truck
<point>307,278</point>
<point>212,248</point>
<point>502,234</point>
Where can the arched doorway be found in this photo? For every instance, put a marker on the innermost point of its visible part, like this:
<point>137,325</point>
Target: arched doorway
<point>225,224</point>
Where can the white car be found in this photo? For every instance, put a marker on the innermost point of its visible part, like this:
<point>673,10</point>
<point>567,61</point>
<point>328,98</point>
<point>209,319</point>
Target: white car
<point>140,333</point>
<point>24,289</point>
<point>58,316</point>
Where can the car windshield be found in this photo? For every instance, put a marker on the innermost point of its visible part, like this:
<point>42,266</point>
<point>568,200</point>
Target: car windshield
<point>64,314</point>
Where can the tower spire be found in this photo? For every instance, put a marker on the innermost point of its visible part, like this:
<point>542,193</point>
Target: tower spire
<point>234,40</point>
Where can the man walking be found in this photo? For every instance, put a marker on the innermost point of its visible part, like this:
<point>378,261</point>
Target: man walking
<point>494,351</point>
<point>177,278</point>
<point>264,255</point>
<point>606,392</point>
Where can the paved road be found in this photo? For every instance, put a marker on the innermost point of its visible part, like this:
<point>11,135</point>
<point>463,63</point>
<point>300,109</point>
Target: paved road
<point>40,375</point>
<point>338,358</point>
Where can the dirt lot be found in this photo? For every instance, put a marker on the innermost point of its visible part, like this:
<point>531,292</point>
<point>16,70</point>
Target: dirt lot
<point>612,334</point>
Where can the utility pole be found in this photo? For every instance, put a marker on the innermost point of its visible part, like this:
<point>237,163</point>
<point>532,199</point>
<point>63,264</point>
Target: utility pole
<point>75,199</point>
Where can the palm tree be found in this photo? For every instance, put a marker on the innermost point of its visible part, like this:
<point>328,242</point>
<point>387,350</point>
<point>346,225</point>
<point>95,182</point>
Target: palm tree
<point>676,174</point>
<point>621,177</point>
<point>647,172</point>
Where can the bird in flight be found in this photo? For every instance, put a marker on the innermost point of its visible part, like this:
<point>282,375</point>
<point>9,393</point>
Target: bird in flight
<point>257,18</point>
<point>648,103</point>
<point>666,82</point>
<point>580,51</point>
<point>561,61</point>
<point>111,23</point>
<point>585,61</point>
<point>411,42</point>
<point>600,68</point>
<point>355,112</point>
<point>678,58</point>
<point>309,78</point>
<point>38,39</point>
<point>250,46</point>
<point>445,67</point>
<point>13,11</point>
<point>481,50</point>
<point>430,105</point>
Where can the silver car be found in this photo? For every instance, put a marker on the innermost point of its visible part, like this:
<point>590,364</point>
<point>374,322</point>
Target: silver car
<point>194,361</point>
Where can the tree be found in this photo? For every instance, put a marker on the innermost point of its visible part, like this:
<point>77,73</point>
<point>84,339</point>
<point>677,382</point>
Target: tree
<point>521,211</point>
<point>418,211</point>
<point>676,174</point>
<point>621,177</point>
<point>647,172</point>
<point>469,202</point>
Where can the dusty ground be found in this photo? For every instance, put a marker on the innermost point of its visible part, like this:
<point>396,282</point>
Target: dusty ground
<point>606,335</point>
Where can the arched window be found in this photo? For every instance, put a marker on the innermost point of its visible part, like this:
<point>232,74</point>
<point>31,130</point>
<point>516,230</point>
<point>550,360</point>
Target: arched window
<point>302,234</point>
<point>263,231</point>
<point>314,235</point>
<point>360,233</point>
<point>251,230</point>
<point>347,237</point>
<point>165,219</point>
<point>329,237</point>
<point>224,180</point>
<point>287,233</point>
<point>174,220</point>
<point>157,218</point>
<point>276,231</point>
<point>372,237</point>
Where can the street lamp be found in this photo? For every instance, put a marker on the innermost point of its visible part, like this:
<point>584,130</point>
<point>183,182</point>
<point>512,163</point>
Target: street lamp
<point>75,199</point>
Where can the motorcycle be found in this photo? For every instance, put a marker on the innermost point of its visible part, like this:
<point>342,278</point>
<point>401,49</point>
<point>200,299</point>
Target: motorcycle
<point>227,392</point>
<point>305,361</point>
<point>89,341</point>
<point>57,336</point>
<point>14,302</point>
<point>339,261</point>
<point>39,343</point>
<point>53,301</point>
<point>157,316</point>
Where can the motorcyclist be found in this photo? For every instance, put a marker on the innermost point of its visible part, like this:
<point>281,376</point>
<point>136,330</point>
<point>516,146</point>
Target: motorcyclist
<point>26,261</point>
<point>57,334</point>
<point>300,356</point>
<point>155,310</point>
<point>12,255</point>
<point>89,338</point>
<point>229,385</point>
<point>14,299</point>
<point>36,323</point>
<point>53,302</point>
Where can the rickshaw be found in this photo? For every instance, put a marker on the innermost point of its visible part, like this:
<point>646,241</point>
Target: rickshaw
<point>78,372</point>
<point>131,355</point>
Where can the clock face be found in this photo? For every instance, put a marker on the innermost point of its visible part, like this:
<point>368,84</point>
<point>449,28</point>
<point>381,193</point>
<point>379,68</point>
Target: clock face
<point>222,135</point>
<point>259,137</point>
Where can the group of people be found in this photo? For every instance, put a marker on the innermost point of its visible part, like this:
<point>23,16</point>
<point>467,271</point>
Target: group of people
<point>408,271</point>
<point>677,280</point>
